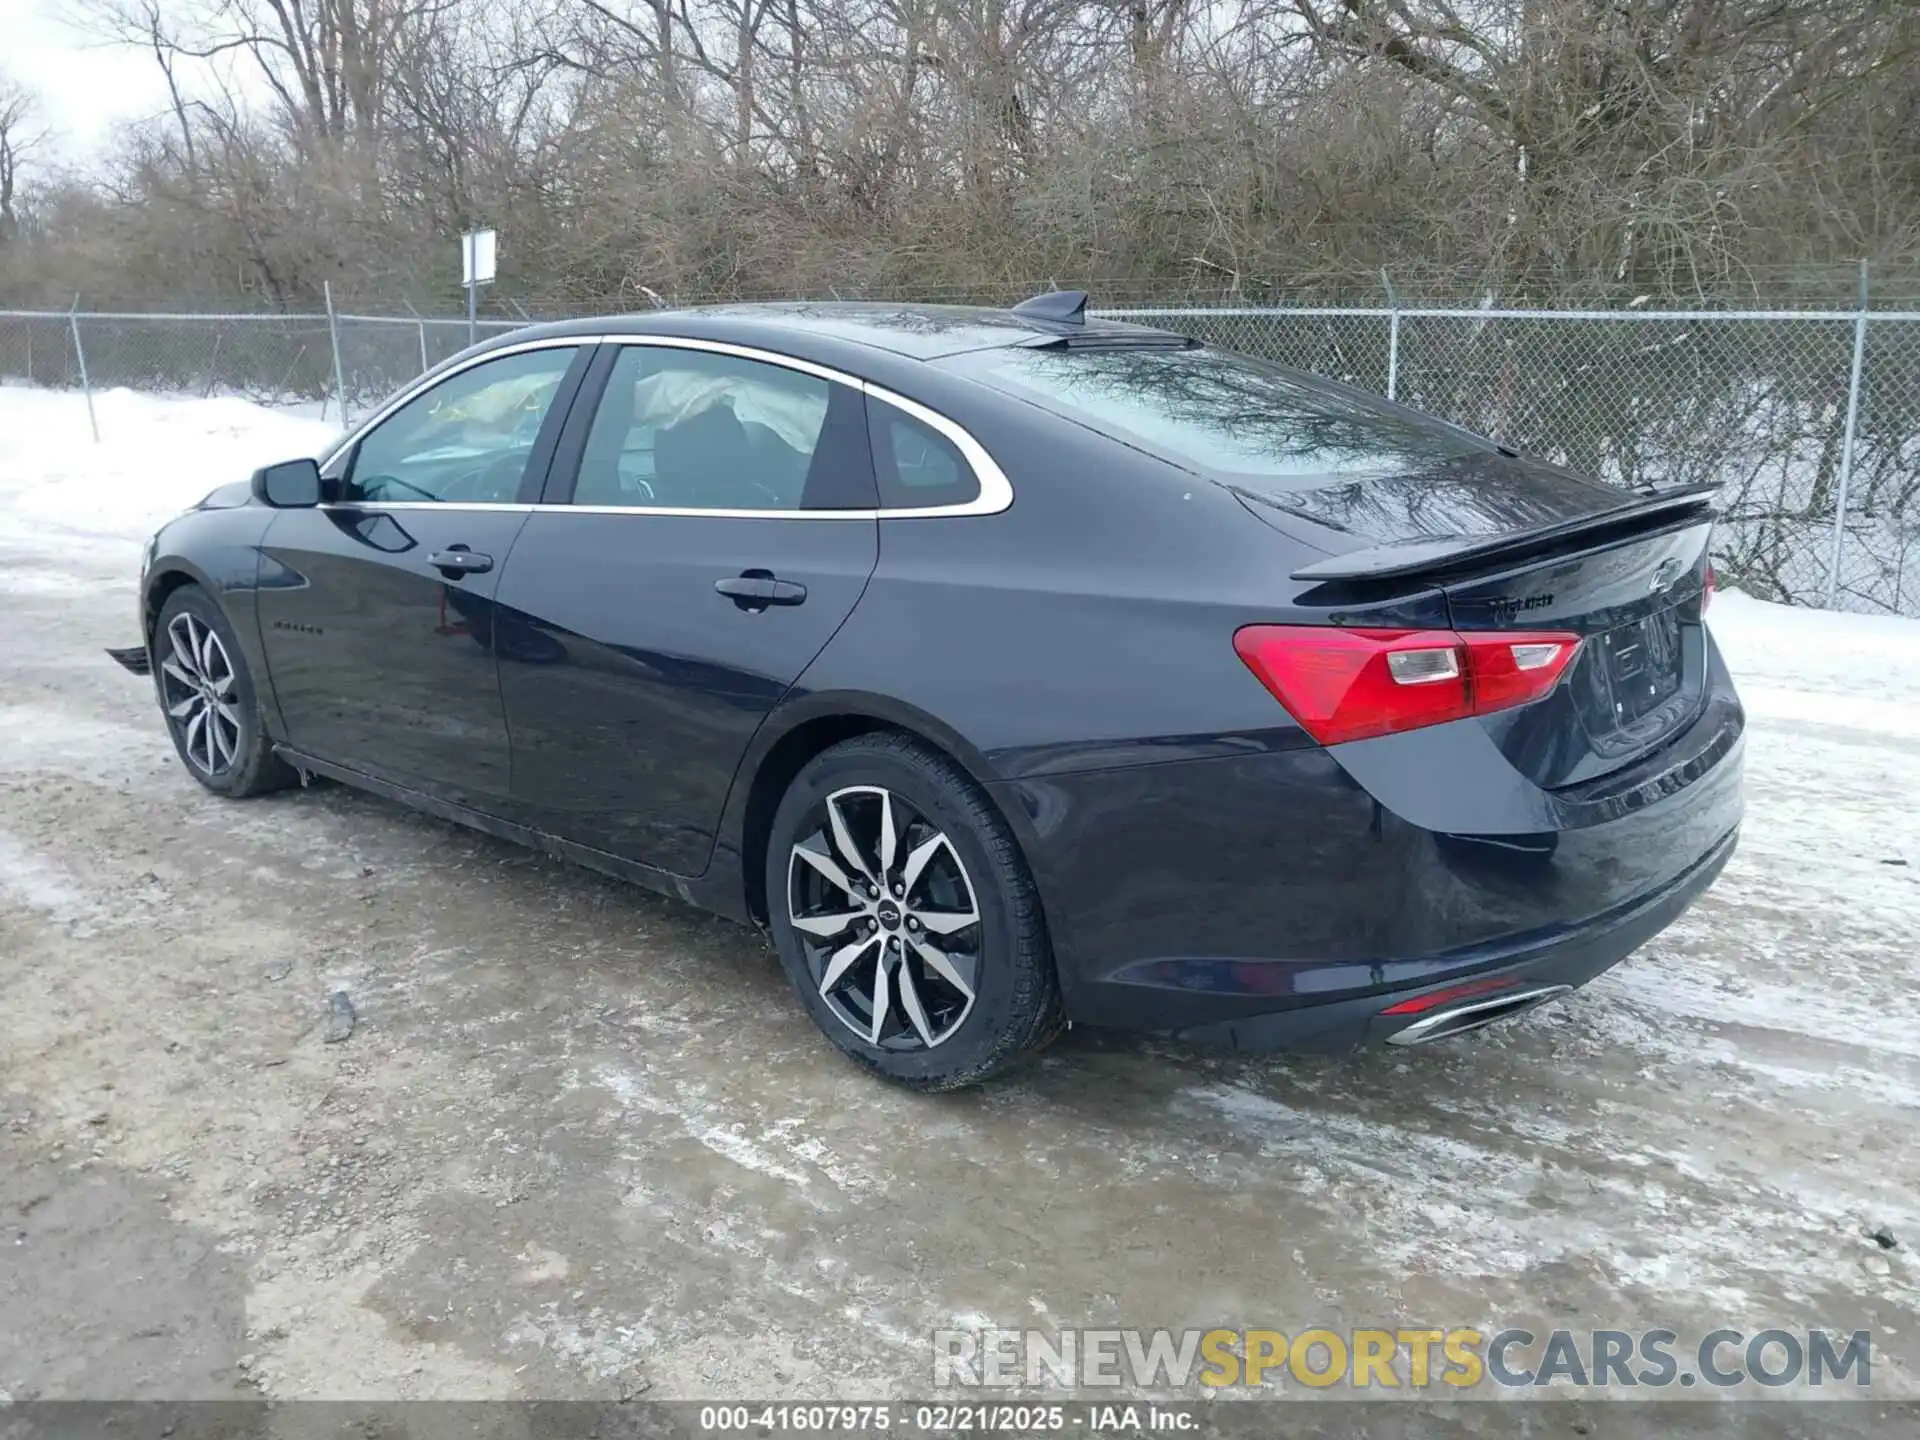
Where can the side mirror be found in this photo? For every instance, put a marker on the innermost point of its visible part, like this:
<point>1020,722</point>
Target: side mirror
<point>290,485</point>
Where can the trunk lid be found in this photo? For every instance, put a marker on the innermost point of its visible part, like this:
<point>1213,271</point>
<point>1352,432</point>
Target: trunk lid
<point>1640,674</point>
<point>1517,546</point>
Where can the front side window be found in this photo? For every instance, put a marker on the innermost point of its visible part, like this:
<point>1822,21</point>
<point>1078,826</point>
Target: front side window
<point>467,439</point>
<point>685,429</point>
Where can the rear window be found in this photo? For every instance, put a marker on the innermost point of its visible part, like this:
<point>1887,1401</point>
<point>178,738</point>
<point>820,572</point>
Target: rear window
<point>1220,413</point>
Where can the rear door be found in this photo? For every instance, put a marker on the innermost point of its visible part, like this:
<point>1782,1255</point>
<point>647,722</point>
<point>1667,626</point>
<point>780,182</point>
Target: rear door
<point>709,525</point>
<point>376,608</point>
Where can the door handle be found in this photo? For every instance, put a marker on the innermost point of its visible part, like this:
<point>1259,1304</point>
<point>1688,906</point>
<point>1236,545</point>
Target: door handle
<point>749,591</point>
<point>755,590</point>
<point>457,560</point>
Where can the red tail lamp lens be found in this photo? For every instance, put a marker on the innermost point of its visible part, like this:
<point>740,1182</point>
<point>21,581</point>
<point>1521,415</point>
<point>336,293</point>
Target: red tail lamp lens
<point>1344,684</point>
<point>1433,999</point>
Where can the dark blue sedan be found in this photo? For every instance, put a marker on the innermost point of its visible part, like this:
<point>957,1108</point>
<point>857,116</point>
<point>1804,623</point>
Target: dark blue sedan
<point>1009,667</point>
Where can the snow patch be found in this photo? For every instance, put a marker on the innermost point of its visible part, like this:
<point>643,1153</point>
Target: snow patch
<point>60,491</point>
<point>1821,666</point>
<point>777,1150</point>
<point>37,883</point>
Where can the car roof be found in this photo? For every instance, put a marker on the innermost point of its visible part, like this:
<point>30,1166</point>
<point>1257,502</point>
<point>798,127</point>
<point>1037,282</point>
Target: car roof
<point>919,332</point>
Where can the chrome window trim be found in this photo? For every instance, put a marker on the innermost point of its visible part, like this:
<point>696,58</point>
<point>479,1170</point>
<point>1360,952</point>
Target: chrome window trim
<point>996,490</point>
<point>377,507</point>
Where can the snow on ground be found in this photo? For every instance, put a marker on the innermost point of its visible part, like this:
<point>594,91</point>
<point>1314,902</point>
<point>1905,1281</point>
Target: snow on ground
<point>1705,1135</point>
<point>1861,672</point>
<point>156,456</point>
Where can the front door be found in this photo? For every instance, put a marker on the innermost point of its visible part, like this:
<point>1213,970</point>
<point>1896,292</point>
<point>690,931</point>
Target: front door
<point>377,608</point>
<point>717,528</point>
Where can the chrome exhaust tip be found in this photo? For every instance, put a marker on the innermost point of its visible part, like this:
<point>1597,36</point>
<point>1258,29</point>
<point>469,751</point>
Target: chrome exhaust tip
<point>1475,1014</point>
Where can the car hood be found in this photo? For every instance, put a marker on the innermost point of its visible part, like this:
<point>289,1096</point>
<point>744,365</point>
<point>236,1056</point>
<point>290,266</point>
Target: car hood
<point>227,497</point>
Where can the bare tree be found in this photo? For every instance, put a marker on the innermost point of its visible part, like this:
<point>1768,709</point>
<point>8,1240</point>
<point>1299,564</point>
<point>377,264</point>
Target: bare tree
<point>19,137</point>
<point>1552,149</point>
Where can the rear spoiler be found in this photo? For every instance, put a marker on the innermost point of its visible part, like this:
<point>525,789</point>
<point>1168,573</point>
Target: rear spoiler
<point>1442,556</point>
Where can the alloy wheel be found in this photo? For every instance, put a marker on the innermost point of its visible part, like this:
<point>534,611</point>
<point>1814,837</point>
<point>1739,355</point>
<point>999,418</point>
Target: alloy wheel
<point>887,917</point>
<point>197,687</point>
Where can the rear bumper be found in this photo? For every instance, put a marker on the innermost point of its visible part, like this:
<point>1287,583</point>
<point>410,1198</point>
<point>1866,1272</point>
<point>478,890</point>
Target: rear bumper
<point>1569,960</point>
<point>1286,897</point>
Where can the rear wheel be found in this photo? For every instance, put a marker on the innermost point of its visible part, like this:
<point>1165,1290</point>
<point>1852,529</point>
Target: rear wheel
<point>905,916</point>
<point>207,695</point>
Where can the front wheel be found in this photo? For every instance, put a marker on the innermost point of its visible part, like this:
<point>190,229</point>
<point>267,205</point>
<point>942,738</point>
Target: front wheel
<point>208,697</point>
<point>906,918</point>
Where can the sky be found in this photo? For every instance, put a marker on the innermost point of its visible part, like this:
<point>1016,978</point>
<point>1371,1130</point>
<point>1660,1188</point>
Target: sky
<point>85,88</point>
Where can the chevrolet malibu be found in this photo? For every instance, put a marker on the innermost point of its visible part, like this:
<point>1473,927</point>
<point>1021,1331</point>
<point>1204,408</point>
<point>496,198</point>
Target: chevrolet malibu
<point>1012,668</point>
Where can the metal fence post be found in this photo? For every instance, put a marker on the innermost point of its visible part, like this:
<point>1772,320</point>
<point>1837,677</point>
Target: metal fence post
<point>333,332</point>
<point>1846,445</point>
<point>1393,336</point>
<point>420,324</point>
<point>80,356</point>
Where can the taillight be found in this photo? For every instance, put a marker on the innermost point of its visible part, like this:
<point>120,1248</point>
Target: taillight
<point>1707,587</point>
<point>1346,684</point>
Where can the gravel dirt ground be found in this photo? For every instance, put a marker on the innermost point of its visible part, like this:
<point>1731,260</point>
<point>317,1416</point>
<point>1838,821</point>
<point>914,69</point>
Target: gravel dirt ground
<point>582,1143</point>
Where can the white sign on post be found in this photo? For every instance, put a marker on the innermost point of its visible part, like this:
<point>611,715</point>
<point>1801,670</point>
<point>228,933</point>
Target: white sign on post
<point>477,253</point>
<point>477,256</point>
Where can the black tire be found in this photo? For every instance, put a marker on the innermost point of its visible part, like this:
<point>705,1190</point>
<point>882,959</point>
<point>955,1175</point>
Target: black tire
<point>1015,1008</point>
<point>251,768</point>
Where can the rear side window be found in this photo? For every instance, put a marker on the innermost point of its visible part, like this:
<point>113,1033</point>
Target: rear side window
<point>1216,412</point>
<point>699,430</point>
<point>916,465</point>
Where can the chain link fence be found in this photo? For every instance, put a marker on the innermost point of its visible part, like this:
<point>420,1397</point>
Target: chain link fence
<point>275,359</point>
<point>1808,420</point>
